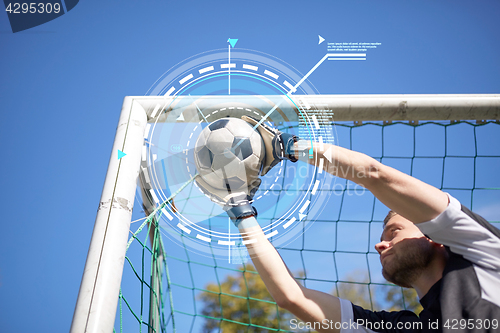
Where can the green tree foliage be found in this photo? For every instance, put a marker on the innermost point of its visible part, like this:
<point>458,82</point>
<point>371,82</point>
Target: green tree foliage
<point>357,293</point>
<point>399,298</point>
<point>241,303</point>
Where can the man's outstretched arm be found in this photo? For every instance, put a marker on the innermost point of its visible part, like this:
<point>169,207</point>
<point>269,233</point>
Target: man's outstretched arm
<point>408,196</point>
<point>308,305</point>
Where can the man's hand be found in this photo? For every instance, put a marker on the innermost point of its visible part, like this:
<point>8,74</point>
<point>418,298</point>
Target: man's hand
<point>278,145</point>
<point>236,203</point>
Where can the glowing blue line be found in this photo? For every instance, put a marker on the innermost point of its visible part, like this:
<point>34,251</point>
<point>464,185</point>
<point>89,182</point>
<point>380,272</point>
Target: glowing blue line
<point>200,111</point>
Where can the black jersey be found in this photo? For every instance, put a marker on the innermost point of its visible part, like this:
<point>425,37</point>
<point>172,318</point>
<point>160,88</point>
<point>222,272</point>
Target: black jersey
<point>466,299</point>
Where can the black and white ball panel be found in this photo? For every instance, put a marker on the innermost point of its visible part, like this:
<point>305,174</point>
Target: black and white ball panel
<point>242,147</point>
<point>218,124</point>
<point>220,140</point>
<point>257,144</point>
<point>205,158</point>
<point>239,127</point>
<point>229,153</point>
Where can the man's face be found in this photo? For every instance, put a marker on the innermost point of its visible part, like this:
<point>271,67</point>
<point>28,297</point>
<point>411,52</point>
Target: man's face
<point>404,251</point>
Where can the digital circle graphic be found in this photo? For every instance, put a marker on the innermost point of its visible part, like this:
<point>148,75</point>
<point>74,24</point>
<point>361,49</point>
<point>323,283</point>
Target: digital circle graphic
<point>219,84</point>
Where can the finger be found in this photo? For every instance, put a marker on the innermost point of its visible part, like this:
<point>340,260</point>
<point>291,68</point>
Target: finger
<point>216,195</point>
<point>254,187</point>
<point>264,130</point>
<point>250,120</point>
<point>269,161</point>
<point>267,136</point>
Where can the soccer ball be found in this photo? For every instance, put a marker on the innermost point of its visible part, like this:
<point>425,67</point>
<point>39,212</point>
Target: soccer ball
<point>228,154</point>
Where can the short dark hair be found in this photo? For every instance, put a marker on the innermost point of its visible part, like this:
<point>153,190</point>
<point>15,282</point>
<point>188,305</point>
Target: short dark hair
<point>389,216</point>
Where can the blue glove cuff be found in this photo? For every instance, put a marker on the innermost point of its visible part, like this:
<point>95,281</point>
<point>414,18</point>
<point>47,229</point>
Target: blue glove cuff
<point>238,213</point>
<point>288,141</point>
<point>238,207</point>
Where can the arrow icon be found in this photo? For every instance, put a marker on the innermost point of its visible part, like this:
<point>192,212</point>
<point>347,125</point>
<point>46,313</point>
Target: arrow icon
<point>328,154</point>
<point>232,42</point>
<point>321,39</point>
<point>120,154</point>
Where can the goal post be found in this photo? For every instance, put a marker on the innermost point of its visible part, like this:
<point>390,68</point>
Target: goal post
<point>100,287</point>
<point>390,107</point>
<point>98,296</point>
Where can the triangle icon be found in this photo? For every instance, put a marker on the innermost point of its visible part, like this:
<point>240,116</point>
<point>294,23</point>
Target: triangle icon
<point>328,154</point>
<point>301,216</point>
<point>120,154</point>
<point>180,118</point>
<point>232,42</point>
<point>321,39</point>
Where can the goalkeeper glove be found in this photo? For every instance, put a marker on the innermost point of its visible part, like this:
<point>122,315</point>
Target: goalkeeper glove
<point>279,146</point>
<point>236,203</point>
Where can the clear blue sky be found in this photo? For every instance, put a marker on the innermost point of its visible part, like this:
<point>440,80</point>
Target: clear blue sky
<point>62,85</point>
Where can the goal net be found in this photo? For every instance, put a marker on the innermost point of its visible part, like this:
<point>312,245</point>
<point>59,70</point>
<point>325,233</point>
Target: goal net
<point>167,287</point>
